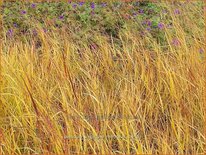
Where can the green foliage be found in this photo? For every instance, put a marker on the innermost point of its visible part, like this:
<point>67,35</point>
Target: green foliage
<point>109,20</point>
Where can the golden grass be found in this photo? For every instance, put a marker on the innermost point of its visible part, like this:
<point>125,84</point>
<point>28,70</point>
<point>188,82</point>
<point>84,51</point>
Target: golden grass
<point>50,100</point>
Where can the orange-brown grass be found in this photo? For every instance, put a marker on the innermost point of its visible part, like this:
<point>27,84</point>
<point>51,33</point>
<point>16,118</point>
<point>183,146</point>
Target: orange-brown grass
<point>67,99</point>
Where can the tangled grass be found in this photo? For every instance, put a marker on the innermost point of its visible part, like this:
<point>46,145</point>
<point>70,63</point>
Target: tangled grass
<point>61,96</point>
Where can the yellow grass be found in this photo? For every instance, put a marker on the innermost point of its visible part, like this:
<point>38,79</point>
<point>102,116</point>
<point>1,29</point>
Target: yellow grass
<point>65,99</point>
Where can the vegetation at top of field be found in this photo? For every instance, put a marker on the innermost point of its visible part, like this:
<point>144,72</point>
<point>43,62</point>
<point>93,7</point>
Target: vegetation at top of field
<point>107,19</point>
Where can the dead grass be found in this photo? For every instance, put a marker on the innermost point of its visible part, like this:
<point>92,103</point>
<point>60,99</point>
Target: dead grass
<point>130,101</point>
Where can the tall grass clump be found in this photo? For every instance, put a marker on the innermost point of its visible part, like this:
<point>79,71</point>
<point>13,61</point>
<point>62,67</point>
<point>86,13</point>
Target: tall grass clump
<point>101,78</point>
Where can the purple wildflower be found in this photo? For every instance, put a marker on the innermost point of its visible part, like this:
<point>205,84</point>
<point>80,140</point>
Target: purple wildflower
<point>104,4</point>
<point>148,28</point>
<point>144,22</point>
<point>160,25</point>
<point>134,14</point>
<point>10,32</point>
<point>23,12</point>
<point>92,5</point>
<point>149,23</point>
<point>141,11</point>
<point>15,25</point>
<point>74,6</point>
<point>33,5</point>
<point>61,17</point>
<point>81,3</point>
<point>175,42</point>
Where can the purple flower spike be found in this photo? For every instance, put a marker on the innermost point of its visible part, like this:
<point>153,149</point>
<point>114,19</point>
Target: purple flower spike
<point>33,5</point>
<point>23,12</point>
<point>175,42</point>
<point>160,25</point>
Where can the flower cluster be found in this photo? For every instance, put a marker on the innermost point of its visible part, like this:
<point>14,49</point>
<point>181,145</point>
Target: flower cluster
<point>152,19</point>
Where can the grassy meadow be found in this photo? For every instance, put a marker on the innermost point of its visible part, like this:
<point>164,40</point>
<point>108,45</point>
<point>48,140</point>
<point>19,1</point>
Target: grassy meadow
<point>102,78</point>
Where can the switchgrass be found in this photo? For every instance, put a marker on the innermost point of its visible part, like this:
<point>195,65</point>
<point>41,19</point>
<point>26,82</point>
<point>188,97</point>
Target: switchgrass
<point>140,99</point>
